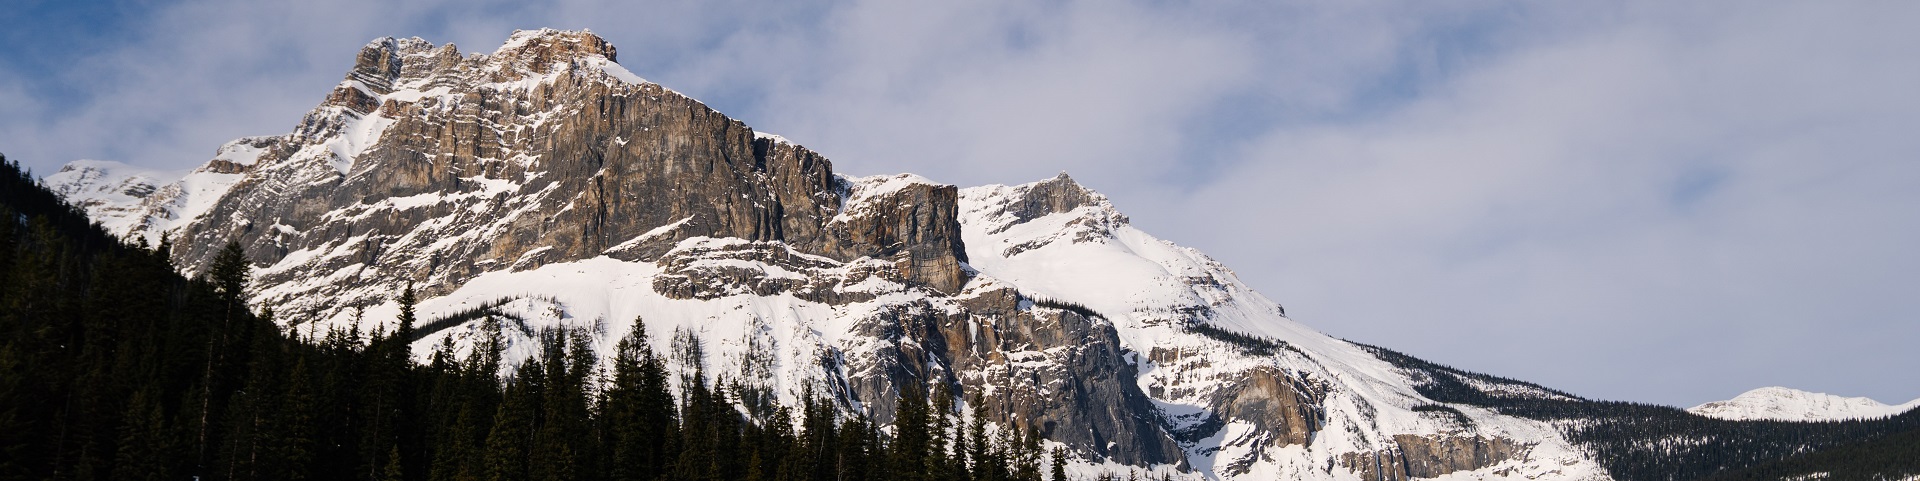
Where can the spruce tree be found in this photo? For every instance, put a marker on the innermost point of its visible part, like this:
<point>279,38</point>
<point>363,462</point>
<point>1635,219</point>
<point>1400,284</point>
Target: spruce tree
<point>393,471</point>
<point>699,434</point>
<point>1028,454</point>
<point>407,320</point>
<point>638,410</point>
<point>560,447</point>
<point>851,460</point>
<point>229,273</point>
<point>1002,457</point>
<point>299,419</point>
<point>912,444</point>
<point>978,451</point>
<point>144,448</point>
<point>940,430</point>
<point>1059,470</point>
<point>819,444</point>
<point>508,443</point>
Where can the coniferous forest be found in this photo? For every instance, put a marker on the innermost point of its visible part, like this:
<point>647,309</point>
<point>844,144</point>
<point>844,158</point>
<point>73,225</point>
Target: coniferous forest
<point>113,366</point>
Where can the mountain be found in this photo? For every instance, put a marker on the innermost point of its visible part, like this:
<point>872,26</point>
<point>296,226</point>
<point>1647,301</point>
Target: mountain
<point>545,187</point>
<point>131,201</point>
<point>544,183</point>
<point>1784,404</point>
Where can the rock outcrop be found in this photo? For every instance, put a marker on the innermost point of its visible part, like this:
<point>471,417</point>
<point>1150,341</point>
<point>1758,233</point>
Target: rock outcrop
<point>1059,371</point>
<point>1432,456</point>
<point>428,167</point>
<point>1284,406</point>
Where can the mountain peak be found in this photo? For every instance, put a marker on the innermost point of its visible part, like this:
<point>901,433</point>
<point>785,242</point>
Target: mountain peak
<point>387,64</point>
<point>396,44</point>
<point>1787,404</point>
<point>1058,195</point>
<point>385,61</point>
<point>546,45</point>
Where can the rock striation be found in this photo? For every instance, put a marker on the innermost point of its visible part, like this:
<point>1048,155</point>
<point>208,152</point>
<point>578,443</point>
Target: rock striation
<point>1432,456</point>
<point>430,167</point>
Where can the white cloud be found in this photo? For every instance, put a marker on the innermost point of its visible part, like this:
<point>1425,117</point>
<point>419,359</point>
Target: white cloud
<point>1674,208</point>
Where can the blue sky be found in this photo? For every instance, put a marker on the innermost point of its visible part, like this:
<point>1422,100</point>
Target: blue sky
<point>1652,201</point>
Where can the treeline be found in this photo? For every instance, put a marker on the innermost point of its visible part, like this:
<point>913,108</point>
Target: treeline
<point>1644,442</point>
<point>1066,305</point>
<point>113,366</point>
<point>1247,343</point>
<point>488,310</point>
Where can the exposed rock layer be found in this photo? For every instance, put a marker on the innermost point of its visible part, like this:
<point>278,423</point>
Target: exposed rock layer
<point>1432,456</point>
<point>541,153</point>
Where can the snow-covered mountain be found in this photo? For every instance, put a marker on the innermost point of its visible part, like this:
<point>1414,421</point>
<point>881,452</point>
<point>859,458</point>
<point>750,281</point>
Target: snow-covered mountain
<point>132,201</point>
<point>545,185</point>
<point>1786,404</point>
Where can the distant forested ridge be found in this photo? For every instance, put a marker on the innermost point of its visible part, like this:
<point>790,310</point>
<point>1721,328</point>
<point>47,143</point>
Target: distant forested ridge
<point>1644,442</point>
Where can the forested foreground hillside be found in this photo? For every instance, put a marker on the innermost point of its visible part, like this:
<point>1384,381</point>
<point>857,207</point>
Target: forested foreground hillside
<point>113,366</point>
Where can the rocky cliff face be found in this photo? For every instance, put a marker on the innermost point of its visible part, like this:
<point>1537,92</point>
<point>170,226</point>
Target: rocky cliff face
<point>425,166</point>
<point>544,182</point>
<point>1432,456</point>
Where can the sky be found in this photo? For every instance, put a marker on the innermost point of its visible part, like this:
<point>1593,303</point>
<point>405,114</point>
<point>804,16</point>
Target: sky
<point>1663,202</point>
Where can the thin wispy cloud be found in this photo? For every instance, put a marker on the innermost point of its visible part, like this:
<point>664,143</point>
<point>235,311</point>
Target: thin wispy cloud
<point>1645,200</point>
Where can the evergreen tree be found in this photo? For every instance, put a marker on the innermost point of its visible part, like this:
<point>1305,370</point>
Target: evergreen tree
<point>394,471</point>
<point>962,461</point>
<point>1003,456</point>
<point>407,319</point>
<point>1059,470</point>
<point>699,423</point>
<point>144,448</point>
<point>386,400</point>
<point>509,442</point>
<point>940,464</point>
<point>299,420</point>
<point>225,286</point>
<point>820,449</point>
<point>853,460</point>
<point>978,451</point>
<point>912,445</point>
<point>1027,454</point>
<point>559,447</point>
<point>638,411</point>
<point>229,273</point>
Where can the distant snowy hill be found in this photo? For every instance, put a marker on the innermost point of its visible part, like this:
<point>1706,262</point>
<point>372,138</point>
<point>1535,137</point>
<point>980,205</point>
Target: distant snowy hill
<point>135,202</point>
<point>1786,404</point>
